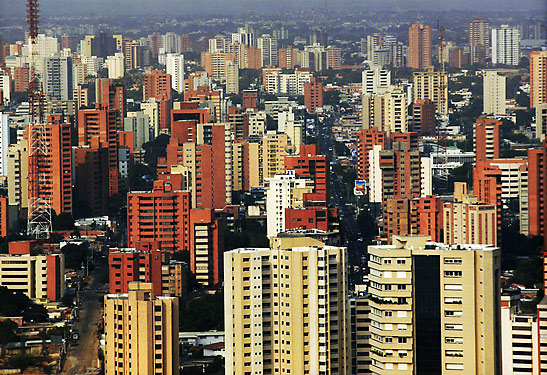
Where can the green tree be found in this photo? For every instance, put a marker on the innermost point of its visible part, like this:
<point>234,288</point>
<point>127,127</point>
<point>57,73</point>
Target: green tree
<point>75,255</point>
<point>204,313</point>
<point>331,97</point>
<point>7,334</point>
<point>63,221</point>
<point>17,304</point>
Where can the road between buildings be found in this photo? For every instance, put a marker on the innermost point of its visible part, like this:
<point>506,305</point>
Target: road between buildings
<point>82,358</point>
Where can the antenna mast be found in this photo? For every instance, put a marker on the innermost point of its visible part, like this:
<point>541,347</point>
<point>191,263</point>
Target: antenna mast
<point>39,204</point>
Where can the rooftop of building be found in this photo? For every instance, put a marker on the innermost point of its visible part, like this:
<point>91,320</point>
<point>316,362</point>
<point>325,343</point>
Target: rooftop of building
<point>423,243</point>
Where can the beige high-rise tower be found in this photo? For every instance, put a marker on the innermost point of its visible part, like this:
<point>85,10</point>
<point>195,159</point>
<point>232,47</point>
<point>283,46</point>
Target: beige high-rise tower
<point>434,308</point>
<point>432,85</point>
<point>538,78</point>
<point>141,332</point>
<point>286,310</point>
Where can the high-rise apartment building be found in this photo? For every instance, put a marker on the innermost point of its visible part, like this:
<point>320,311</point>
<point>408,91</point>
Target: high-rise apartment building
<point>419,46</point>
<point>111,95</point>
<point>423,117</point>
<point>366,139</point>
<point>55,166</point>
<point>206,246</point>
<point>157,84</point>
<point>538,78</point>
<point>174,66</point>
<point>542,334</point>
<point>209,157</point>
<point>396,110</point>
<point>309,163</point>
<point>541,121</point>
<point>417,216</point>
<point>102,123</point>
<point>313,95</point>
<point>519,337</point>
<point>232,78</point>
<point>4,143</point>
<point>4,218</point>
<point>506,45</point>
<point>432,85</point>
<point>141,332</point>
<point>268,48</point>
<point>334,57</point>
<point>115,65</point>
<point>360,334</point>
<point>434,308</point>
<point>400,172</point>
<point>286,309</point>
<point>284,192</point>
<point>493,93</point>
<point>479,40</point>
<point>486,138</point>
<point>274,149</point>
<point>17,172</point>
<point>162,215</point>
<point>168,277</point>
<point>91,188</point>
<point>375,79</point>
<point>537,192</point>
<point>387,110</point>
<point>57,78</point>
<point>469,221</point>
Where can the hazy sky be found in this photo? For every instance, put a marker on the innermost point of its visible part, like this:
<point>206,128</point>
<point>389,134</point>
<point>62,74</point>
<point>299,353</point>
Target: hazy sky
<point>180,7</point>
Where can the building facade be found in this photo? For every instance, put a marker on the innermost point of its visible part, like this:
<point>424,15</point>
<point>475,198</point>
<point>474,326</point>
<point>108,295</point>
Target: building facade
<point>434,308</point>
<point>286,309</point>
<point>141,332</point>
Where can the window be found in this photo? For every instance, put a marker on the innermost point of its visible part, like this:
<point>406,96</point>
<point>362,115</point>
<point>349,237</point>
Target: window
<point>452,273</point>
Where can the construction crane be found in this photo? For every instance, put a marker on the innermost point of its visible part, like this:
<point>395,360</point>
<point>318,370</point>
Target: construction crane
<point>39,205</point>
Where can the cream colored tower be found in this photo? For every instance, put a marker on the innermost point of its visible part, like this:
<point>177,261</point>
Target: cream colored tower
<point>141,332</point>
<point>432,85</point>
<point>435,308</point>
<point>286,310</point>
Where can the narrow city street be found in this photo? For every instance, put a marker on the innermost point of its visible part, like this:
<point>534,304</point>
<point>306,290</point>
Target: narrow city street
<point>82,358</point>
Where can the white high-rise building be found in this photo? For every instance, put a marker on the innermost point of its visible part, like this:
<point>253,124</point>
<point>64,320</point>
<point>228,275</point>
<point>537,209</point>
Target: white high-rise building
<point>45,46</point>
<point>283,191</point>
<point>4,142</point>
<point>245,35</point>
<point>426,173</point>
<point>493,93</point>
<point>519,337</point>
<point>268,47</point>
<point>174,65</point>
<point>151,109</point>
<point>171,43</point>
<point>375,175</point>
<point>375,79</point>
<point>115,65</point>
<point>58,77</point>
<point>541,121</point>
<point>506,45</point>
<point>5,86</point>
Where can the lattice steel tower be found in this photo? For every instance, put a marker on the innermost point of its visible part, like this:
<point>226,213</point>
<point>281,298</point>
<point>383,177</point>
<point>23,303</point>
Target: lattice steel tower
<point>39,201</point>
